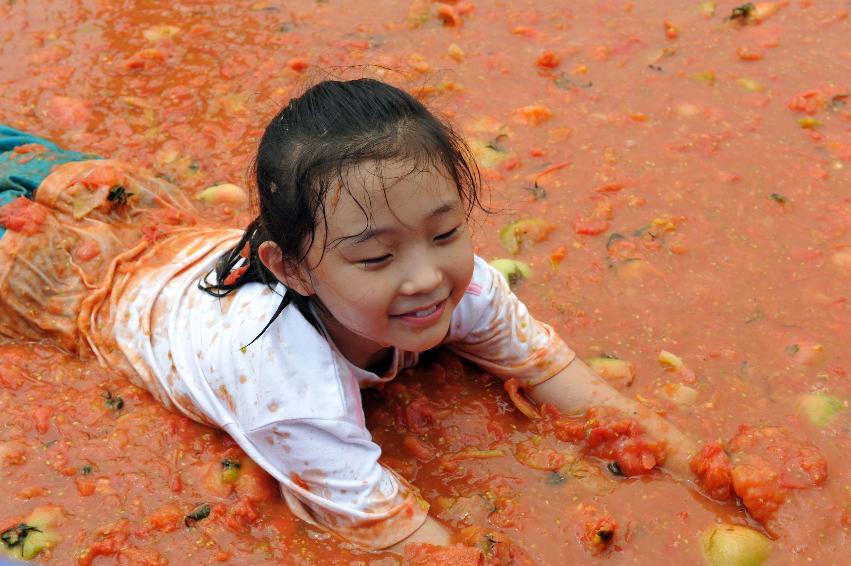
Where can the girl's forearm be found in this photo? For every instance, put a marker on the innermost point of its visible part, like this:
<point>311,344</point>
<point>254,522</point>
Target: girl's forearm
<point>577,388</point>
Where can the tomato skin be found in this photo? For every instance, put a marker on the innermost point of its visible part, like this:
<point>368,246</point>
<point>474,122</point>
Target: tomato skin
<point>241,516</point>
<point>23,215</point>
<point>712,467</point>
<point>606,435</point>
<point>423,554</point>
<point>558,255</point>
<point>508,515</point>
<point>99,548</point>
<point>512,387</point>
<point>160,222</point>
<point>418,449</point>
<point>69,113</point>
<point>298,64</point>
<point>569,430</point>
<point>254,484</point>
<point>111,539</point>
<point>449,16</point>
<point>535,114</point>
<point>539,457</point>
<point>811,463</point>
<point>419,415</point>
<point>167,518</point>
<point>756,484</point>
<point>769,465</point>
<point>87,250</point>
<point>85,486</point>
<point>636,458</point>
<point>41,417</point>
<point>808,102</point>
<point>234,275</point>
<point>548,60</point>
<point>613,187</point>
<point>296,479</point>
<point>590,226</point>
<point>12,453</point>
<point>144,59</point>
<point>102,176</point>
<point>671,31</point>
<point>599,534</point>
<point>212,482</point>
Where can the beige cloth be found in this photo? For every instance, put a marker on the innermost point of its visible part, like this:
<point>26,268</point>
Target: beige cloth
<point>92,219</point>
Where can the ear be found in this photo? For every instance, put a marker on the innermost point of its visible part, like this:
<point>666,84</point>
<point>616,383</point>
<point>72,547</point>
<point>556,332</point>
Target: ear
<point>290,274</point>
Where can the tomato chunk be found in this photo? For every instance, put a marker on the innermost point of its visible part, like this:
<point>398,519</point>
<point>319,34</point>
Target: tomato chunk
<point>769,464</point>
<point>590,226</point>
<point>712,468</point>
<point>603,433</point>
<point>23,215</point>
<point>422,554</point>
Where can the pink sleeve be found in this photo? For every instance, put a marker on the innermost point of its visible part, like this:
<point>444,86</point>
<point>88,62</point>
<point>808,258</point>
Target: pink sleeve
<point>492,328</point>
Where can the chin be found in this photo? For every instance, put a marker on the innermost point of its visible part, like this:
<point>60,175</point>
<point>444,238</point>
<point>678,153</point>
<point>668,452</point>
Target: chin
<point>420,349</point>
<point>431,344</point>
<point>420,346</point>
<point>427,339</point>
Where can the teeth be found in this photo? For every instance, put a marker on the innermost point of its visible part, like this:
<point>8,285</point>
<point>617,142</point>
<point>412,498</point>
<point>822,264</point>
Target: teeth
<point>426,312</point>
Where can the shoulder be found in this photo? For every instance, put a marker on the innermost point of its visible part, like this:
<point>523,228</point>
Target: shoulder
<point>200,352</point>
<point>477,300</point>
<point>483,284</point>
<point>288,372</point>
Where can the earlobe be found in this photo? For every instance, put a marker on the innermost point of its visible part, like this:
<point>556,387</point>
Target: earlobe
<point>284,271</point>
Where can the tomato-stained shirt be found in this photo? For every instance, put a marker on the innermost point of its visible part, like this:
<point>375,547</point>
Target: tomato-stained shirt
<point>290,399</point>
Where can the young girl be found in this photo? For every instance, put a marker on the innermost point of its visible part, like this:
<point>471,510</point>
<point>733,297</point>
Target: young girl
<point>360,259</point>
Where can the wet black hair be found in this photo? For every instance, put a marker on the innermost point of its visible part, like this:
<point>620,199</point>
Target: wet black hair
<point>309,146</point>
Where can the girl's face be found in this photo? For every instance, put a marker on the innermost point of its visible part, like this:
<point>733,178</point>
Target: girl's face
<point>396,262</point>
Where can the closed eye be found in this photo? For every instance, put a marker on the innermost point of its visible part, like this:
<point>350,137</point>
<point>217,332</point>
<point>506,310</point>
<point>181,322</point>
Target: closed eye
<point>447,235</point>
<point>375,260</point>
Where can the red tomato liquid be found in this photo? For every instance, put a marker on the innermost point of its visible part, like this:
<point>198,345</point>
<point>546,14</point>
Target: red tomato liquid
<point>696,170</point>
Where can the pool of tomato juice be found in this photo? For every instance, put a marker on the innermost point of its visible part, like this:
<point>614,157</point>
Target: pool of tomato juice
<point>683,169</point>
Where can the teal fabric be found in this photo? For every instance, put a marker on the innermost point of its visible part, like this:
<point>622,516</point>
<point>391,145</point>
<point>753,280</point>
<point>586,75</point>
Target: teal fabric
<point>19,179</point>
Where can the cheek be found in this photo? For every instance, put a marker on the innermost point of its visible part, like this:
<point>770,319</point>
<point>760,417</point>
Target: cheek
<point>463,281</point>
<point>352,300</point>
<point>462,265</point>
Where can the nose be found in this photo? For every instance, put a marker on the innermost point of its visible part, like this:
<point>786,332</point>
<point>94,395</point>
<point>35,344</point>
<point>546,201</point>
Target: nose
<point>422,276</point>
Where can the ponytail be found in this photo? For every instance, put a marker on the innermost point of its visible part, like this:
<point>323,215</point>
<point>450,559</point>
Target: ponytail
<point>240,265</point>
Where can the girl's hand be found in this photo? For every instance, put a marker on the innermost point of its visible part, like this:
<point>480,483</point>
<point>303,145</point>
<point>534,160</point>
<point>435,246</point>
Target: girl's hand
<point>431,532</point>
<point>431,544</point>
<point>577,388</point>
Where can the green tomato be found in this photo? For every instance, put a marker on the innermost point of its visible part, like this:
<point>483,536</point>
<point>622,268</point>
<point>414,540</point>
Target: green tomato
<point>821,409</point>
<point>34,535</point>
<point>732,545</point>
<point>230,471</point>
<point>512,270</point>
<point>529,231</point>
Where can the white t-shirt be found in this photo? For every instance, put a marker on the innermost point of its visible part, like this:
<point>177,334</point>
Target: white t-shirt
<point>291,400</point>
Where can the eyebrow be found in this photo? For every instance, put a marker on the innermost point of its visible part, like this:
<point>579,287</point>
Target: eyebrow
<point>370,233</point>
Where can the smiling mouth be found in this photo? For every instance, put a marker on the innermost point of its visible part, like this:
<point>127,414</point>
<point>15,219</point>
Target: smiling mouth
<point>423,314</point>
